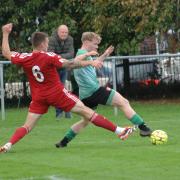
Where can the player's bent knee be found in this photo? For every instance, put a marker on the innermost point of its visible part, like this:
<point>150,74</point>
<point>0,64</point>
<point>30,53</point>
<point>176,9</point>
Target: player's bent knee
<point>85,122</point>
<point>79,107</point>
<point>82,110</point>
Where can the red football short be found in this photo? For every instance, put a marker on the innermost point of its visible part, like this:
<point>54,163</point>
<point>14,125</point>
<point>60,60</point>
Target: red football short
<point>62,99</point>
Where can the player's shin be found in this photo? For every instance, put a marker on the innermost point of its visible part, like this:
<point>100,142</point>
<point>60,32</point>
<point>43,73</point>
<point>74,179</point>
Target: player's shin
<point>96,119</point>
<point>103,122</point>
<point>67,138</point>
<point>144,129</point>
<point>19,134</point>
<point>72,132</point>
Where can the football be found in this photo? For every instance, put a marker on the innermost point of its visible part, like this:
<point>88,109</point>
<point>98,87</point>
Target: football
<point>159,137</point>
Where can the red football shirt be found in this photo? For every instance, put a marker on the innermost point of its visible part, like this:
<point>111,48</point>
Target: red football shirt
<point>40,68</point>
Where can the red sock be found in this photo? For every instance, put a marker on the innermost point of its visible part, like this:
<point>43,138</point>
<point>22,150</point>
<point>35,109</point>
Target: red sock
<point>101,121</point>
<point>19,133</point>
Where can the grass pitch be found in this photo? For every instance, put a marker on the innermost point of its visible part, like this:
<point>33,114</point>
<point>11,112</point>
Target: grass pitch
<point>95,154</point>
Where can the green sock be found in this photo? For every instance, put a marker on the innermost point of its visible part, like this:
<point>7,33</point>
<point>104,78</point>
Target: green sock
<point>70,135</point>
<point>137,120</point>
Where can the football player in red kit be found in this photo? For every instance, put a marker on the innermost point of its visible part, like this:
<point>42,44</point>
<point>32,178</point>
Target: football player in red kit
<point>40,68</point>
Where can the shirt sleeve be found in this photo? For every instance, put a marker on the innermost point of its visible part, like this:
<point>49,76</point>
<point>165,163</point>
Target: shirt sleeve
<point>57,61</point>
<point>16,59</point>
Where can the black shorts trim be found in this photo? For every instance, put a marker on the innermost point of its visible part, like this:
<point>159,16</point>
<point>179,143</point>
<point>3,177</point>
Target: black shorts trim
<point>99,97</point>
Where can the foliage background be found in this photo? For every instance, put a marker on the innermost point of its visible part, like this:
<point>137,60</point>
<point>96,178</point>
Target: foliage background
<point>123,23</point>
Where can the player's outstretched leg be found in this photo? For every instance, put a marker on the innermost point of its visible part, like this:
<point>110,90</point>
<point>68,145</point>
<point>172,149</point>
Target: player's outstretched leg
<point>20,132</point>
<point>122,132</point>
<point>123,104</point>
<point>100,121</point>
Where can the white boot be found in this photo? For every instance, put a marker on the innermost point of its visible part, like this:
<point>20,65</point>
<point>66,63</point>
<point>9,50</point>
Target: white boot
<point>6,147</point>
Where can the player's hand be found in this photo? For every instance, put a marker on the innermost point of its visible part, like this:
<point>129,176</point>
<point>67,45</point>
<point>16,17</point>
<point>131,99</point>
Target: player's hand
<point>109,50</point>
<point>92,53</point>
<point>7,28</point>
<point>97,64</point>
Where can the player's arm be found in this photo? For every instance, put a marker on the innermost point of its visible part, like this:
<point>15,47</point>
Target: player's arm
<point>6,52</point>
<point>85,55</point>
<point>107,52</point>
<point>78,63</point>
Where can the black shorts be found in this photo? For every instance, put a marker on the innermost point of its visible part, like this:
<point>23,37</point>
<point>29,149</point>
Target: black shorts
<point>99,97</point>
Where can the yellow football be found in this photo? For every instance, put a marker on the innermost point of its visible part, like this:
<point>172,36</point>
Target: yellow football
<point>159,137</point>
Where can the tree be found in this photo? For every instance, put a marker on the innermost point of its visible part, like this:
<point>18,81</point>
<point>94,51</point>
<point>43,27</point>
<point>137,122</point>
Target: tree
<point>123,23</point>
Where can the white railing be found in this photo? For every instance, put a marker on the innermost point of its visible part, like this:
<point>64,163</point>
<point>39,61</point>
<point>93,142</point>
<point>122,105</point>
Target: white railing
<point>2,88</point>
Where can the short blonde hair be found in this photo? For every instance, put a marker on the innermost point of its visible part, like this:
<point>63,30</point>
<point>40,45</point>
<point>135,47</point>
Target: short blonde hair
<point>89,36</point>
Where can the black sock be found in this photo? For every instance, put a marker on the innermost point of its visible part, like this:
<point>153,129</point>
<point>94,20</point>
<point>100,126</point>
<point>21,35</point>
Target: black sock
<point>63,142</point>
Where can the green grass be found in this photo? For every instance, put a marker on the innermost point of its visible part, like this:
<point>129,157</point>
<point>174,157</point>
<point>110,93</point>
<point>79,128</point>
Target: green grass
<point>95,154</point>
